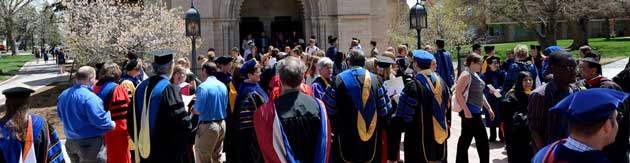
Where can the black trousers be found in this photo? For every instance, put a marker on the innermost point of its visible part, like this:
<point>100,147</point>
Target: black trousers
<point>473,127</point>
<point>393,139</point>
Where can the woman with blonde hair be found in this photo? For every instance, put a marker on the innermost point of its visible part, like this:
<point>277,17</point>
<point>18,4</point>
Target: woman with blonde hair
<point>520,64</point>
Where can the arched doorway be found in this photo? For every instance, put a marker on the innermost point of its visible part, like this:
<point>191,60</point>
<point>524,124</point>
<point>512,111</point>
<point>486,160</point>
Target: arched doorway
<point>278,19</point>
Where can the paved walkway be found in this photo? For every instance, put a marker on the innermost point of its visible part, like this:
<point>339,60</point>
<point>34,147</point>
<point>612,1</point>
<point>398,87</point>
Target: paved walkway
<point>40,75</point>
<point>34,75</point>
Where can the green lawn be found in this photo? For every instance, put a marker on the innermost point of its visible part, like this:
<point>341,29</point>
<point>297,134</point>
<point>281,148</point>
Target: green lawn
<point>614,48</point>
<point>9,65</point>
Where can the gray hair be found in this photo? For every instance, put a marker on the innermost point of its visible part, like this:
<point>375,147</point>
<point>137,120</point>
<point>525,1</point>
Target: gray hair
<point>86,73</point>
<point>291,71</point>
<point>323,62</point>
<point>163,69</point>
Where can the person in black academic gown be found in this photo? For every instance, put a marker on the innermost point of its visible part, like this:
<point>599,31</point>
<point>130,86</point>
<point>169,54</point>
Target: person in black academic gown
<point>514,119</point>
<point>423,106</point>
<point>15,127</point>
<point>357,124</point>
<point>592,125</point>
<point>302,118</point>
<point>169,126</point>
<point>250,96</point>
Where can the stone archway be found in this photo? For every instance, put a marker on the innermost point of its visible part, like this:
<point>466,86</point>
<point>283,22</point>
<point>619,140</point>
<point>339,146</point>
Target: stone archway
<point>314,22</point>
<point>345,19</point>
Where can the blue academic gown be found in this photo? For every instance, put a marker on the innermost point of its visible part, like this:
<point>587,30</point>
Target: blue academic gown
<point>350,113</point>
<point>558,152</point>
<point>445,67</point>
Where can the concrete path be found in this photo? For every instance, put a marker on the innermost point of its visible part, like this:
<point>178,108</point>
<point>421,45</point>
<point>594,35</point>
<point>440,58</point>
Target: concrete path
<point>39,75</point>
<point>612,69</point>
<point>34,76</point>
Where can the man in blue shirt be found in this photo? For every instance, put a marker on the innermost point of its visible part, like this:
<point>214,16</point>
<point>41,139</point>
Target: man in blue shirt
<point>84,119</point>
<point>211,105</point>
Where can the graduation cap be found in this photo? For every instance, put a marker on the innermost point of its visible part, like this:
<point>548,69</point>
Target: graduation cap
<point>422,56</point>
<point>476,46</point>
<point>331,39</point>
<point>581,108</point>
<point>488,48</point>
<point>439,42</point>
<point>532,46</point>
<point>163,56</point>
<point>384,61</point>
<point>18,92</point>
<point>550,49</point>
<point>223,60</point>
<point>131,64</point>
<point>248,66</point>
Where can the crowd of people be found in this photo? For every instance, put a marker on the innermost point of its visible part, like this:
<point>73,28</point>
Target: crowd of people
<point>57,53</point>
<point>294,104</point>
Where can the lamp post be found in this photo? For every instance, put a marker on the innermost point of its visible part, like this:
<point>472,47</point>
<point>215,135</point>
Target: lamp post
<point>193,31</point>
<point>418,19</point>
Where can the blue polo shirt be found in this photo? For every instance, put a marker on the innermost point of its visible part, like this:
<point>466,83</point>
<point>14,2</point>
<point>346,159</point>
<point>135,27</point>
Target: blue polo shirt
<point>82,113</point>
<point>212,100</point>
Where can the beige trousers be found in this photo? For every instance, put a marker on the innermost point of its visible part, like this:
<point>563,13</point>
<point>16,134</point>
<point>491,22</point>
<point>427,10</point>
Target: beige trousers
<point>209,142</point>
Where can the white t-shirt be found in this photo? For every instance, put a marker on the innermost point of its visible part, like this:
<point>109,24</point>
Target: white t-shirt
<point>310,50</point>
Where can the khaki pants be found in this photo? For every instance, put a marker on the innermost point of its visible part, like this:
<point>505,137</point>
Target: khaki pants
<point>209,142</point>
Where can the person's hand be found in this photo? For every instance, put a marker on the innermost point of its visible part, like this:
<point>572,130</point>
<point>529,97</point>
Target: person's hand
<point>468,115</point>
<point>491,113</point>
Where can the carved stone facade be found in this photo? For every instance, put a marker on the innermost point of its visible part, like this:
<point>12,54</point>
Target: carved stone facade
<point>366,20</point>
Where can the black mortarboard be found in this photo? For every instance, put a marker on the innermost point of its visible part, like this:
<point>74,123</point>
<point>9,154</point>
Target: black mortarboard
<point>131,64</point>
<point>439,41</point>
<point>163,56</point>
<point>331,39</point>
<point>18,92</point>
<point>590,59</point>
<point>581,108</point>
<point>488,48</point>
<point>223,60</point>
<point>476,46</point>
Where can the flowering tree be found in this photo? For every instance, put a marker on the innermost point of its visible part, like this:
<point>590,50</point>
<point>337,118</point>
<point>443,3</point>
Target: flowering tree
<point>103,30</point>
<point>445,21</point>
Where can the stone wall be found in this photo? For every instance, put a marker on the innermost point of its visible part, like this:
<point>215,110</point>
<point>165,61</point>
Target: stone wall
<point>364,19</point>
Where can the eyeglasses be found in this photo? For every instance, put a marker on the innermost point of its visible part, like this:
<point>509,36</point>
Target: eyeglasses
<point>568,68</point>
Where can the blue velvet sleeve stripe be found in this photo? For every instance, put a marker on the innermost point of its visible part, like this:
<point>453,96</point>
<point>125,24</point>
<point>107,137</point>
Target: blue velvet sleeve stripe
<point>383,102</point>
<point>408,100</point>
<point>329,101</point>
<point>54,148</point>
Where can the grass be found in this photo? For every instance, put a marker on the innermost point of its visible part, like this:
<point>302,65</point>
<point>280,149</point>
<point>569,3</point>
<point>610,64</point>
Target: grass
<point>613,48</point>
<point>9,65</point>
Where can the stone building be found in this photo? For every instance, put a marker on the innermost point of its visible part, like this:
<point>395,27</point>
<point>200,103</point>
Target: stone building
<point>224,23</point>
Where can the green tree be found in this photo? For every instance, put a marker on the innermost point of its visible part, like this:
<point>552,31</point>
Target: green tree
<point>8,11</point>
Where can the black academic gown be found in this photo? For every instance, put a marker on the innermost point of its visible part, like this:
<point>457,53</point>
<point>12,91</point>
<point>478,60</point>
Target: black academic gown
<point>299,115</point>
<point>347,145</point>
<point>420,144</point>
<point>517,135</point>
<point>171,134</point>
<point>241,143</point>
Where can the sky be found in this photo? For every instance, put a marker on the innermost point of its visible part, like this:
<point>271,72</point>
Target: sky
<point>411,3</point>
